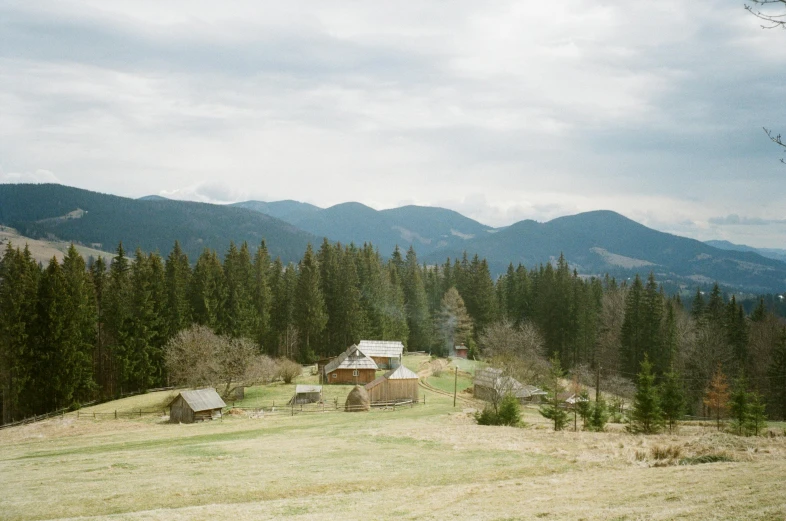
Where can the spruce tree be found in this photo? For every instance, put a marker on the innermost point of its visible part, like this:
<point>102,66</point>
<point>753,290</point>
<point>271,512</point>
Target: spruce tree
<point>207,292</point>
<point>757,416</point>
<point>238,316</point>
<point>739,404</point>
<point>554,408</point>
<point>672,399</point>
<point>117,315</point>
<point>418,317</point>
<point>777,374</point>
<point>262,294</point>
<point>647,415</point>
<point>177,277</point>
<point>309,306</point>
<point>632,339</point>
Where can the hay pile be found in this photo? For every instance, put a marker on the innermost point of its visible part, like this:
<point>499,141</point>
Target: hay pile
<point>357,400</point>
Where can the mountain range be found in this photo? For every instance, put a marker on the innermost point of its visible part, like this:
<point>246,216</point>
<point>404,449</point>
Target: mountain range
<point>594,243</point>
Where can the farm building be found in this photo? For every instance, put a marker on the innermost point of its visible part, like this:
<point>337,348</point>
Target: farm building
<point>460,351</point>
<point>490,384</point>
<point>386,353</point>
<point>351,367</point>
<point>306,394</point>
<point>396,385</point>
<point>196,406</point>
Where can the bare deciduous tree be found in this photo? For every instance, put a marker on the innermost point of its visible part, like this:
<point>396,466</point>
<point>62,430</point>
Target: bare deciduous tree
<point>519,350</point>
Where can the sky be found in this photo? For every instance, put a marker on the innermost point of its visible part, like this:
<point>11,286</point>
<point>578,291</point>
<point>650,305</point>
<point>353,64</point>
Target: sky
<point>502,111</point>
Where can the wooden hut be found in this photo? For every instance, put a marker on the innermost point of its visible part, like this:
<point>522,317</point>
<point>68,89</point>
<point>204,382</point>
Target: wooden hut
<point>196,406</point>
<point>490,385</point>
<point>397,385</point>
<point>386,353</point>
<point>306,394</point>
<point>460,351</point>
<point>351,367</point>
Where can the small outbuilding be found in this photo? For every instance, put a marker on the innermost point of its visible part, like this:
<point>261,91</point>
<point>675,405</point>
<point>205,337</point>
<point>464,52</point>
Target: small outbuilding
<point>306,394</point>
<point>351,367</point>
<point>489,385</point>
<point>385,353</point>
<point>460,351</point>
<point>397,385</point>
<point>196,406</point>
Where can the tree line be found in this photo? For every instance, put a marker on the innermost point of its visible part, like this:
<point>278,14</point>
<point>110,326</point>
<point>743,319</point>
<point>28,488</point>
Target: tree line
<point>73,331</point>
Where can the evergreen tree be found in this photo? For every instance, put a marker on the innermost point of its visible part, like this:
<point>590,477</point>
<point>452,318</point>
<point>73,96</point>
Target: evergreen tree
<point>19,276</point>
<point>553,408</point>
<point>757,417</point>
<point>177,275</point>
<point>309,307</point>
<point>698,306</point>
<point>350,323</point>
<point>238,316</point>
<point>777,375</point>
<point>632,341</point>
<point>739,405</point>
<point>737,331</point>
<point>418,317</point>
<point>647,415</point>
<point>207,292</point>
<point>396,325</point>
<point>262,294</point>
<point>672,399</point>
<point>117,316</point>
<point>599,415</point>
<point>760,313</point>
<point>101,357</point>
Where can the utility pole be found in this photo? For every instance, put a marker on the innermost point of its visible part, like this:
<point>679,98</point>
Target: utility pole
<point>455,386</point>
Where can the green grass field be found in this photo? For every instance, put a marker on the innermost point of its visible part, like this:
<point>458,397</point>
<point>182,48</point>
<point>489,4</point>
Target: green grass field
<point>426,462</point>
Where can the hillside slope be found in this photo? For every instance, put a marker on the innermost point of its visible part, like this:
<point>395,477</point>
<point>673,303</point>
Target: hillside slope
<point>102,221</point>
<point>606,242</point>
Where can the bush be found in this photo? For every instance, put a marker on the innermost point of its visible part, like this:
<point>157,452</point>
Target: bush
<point>509,411</point>
<point>598,416</point>
<point>288,370</point>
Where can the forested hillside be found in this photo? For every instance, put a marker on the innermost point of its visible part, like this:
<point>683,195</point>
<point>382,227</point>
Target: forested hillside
<point>70,332</point>
<point>103,220</point>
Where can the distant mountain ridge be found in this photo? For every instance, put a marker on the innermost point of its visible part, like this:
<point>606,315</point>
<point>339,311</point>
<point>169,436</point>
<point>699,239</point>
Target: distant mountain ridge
<point>426,228</point>
<point>770,253</point>
<point>40,210</point>
<point>594,243</point>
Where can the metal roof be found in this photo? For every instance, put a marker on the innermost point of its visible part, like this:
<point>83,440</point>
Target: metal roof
<point>382,348</point>
<point>303,389</point>
<point>401,373</point>
<point>352,358</point>
<point>202,400</point>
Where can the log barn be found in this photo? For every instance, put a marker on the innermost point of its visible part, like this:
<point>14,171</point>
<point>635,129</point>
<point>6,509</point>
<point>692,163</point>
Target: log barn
<point>386,353</point>
<point>351,367</point>
<point>196,406</point>
<point>306,394</point>
<point>397,385</point>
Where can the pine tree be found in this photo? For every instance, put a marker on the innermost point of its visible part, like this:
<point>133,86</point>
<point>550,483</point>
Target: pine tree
<point>672,399</point>
<point>238,316</point>
<point>632,341</point>
<point>698,306</point>
<point>647,415</point>
<point>553,408</point>
<point>739,405</point>
<point>207,292</point>
<point>777,375</point>
<point>262,294</point>
<point>101,358</point>
<point>177,276</point>
<point>117,315</point>
<point>599,415</point>
<point>717,395</point>
<point>309,307</point>
<point>757,417</point>
<point>19,275</point>
<point>418,317</point>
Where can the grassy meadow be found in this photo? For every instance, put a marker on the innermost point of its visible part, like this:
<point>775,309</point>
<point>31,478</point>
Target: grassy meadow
<point>426,462</point>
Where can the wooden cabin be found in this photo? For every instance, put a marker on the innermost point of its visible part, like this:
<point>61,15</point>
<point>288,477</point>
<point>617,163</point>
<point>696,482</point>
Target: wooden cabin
<point>196,406</point>
<point>460,351</point>
<point>351,367</point>
<point>306,394</point>
<point>397,385</point>
<point>385,353</point>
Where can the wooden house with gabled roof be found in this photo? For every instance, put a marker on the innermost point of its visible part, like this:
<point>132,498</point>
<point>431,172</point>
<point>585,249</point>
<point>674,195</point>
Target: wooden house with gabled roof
<point>396,385</point>
<point>351,367</point>
<point>196,406</point>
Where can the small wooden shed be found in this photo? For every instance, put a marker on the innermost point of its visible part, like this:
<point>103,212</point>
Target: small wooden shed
<point>460,351</point>
<point>489,385</point>
<point>351,367</point>
<point>397,385</point>
<point>306,394</point>
<point>196,406</point>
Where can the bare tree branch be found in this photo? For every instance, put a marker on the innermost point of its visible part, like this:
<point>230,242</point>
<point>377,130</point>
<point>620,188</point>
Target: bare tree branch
<point>774,20</point>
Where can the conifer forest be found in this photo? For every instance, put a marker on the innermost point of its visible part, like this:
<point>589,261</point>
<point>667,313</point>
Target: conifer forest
<point>76,331</point>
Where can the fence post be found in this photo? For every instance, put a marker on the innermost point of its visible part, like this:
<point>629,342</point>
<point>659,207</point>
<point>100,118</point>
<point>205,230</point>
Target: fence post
<point>140,412</point>
<point>115,413</point>
<point>77,414</point>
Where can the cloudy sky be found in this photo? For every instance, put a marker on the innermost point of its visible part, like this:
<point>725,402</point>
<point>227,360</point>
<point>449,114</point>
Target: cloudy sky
<point>500,110</point>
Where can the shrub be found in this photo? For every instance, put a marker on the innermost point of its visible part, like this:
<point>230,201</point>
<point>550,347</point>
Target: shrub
<point>660,452</point>
<point>288,370</point>
<point>598,417</point>
<point>487,416</point>
<point>509,411</point>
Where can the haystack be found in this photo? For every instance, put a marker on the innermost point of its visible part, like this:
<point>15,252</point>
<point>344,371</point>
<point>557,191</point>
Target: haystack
<point>357,400</point>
